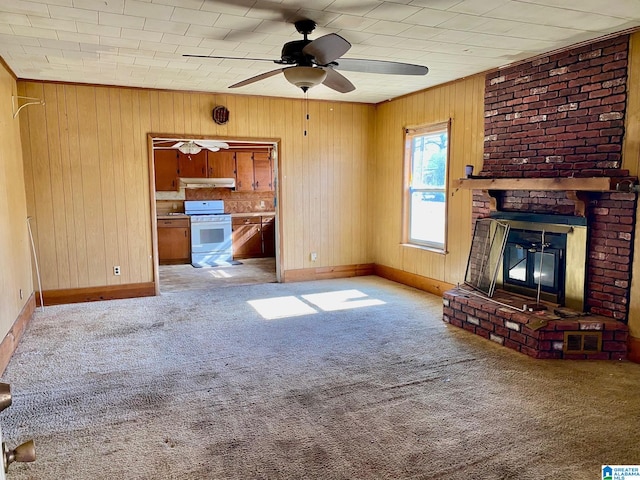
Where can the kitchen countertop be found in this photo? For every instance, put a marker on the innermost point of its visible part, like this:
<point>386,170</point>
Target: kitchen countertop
<point>233,215</point>
<point>253,214</point>
<point>172,216</point>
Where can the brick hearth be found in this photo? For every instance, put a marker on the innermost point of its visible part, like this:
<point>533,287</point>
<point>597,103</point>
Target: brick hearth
<point>539,334</point>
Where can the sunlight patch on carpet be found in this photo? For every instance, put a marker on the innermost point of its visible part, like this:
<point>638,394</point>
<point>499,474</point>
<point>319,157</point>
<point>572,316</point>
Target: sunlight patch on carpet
<point>281,307</point>
<point>292,306</point>
<point>341,300</point>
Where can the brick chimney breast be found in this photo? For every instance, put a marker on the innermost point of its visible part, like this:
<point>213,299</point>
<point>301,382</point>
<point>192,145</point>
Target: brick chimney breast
<point>563,115</point>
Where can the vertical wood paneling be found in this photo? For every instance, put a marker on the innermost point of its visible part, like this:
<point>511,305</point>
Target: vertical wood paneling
<point>66,185</point>
<point>312,172</point>
<point>118,154</point>
<point>86,161</point>
<point>57,186</point>
<point>137,175</point>
<point>77,188</point>
<point>461,102</point>
<point>43,208</point>
<point>91,179</point>
<point>15,256</point>
<point>631,161</point>
<point>631,145</point>
<point>107,184</point>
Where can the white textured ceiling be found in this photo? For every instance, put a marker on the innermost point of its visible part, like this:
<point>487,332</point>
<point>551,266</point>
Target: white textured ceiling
<point>140,43</point>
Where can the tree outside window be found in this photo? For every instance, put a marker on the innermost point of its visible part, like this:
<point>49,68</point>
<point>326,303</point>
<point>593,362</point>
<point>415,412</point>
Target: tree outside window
<point>426,159</point>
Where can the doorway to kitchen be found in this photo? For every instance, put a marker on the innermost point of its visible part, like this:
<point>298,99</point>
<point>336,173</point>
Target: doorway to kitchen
<point>200,181</point>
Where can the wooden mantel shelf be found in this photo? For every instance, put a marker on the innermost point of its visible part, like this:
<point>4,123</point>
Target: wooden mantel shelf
<point>577,188</point>
<point>591,184</point>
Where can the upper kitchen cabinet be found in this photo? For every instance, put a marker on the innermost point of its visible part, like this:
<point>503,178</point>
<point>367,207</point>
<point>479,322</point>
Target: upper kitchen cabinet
<point>192,165</point>
<point>221,164</point>
<point>166,170</point>
<point>253,171</point>
<point>262,172</point>
<point>244,171</point>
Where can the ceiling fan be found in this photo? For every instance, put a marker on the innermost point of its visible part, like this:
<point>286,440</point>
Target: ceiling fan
<point>312,62</point>
<point>190,147</point>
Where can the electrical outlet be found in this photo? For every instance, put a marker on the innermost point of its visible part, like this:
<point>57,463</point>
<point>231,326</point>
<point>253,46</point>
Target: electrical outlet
<point>314,256</point>
<point>261,203</point>
<point>116,270</point>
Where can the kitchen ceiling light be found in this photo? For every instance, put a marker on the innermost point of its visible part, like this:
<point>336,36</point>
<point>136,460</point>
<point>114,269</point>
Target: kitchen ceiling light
<point>305,77</point>
<point>189,148</point>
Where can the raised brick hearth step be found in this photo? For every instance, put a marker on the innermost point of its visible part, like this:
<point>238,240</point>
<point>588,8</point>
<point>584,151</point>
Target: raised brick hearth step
<point>541,334</point>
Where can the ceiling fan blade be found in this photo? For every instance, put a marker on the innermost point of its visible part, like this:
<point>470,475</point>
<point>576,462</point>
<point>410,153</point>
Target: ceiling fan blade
<point>209,144</point>
<point>380,66</point>
<point>232,58</point>
<point>177,145</point>
<point>257,78</point>
<point>327,48</point>
<point>338,82</point>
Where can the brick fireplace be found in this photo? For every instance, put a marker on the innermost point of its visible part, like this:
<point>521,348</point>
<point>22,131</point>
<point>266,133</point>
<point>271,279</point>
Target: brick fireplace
<point>560,118</point>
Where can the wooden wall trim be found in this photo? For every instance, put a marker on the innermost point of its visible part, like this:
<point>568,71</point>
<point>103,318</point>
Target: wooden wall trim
<point>324,273</point>
<point>94,294</point>
<point>12,339</point>
<point>633,349</point>
<point>413,280</point>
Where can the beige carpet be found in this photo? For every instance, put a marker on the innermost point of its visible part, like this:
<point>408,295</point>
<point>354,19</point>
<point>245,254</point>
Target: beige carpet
<point>198,385</point>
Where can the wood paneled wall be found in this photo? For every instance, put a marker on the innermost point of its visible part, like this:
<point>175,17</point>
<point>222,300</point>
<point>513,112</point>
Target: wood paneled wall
<point>15,256</point>
<point>87,180</point>
<point>631,161</point>
<point>462,102</point>
<point>631,144</point>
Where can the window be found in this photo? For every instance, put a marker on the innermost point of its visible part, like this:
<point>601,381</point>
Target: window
<point>425,203</point>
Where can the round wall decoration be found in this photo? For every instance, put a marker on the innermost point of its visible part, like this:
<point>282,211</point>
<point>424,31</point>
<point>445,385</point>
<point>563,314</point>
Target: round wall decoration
<point>220,115</point>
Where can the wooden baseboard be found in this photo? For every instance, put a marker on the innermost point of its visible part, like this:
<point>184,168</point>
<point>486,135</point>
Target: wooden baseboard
<point>427,284</point>
<point>11,340</point>
<point>633,349</point>
<point>324,273</point>
<point>94,294</point>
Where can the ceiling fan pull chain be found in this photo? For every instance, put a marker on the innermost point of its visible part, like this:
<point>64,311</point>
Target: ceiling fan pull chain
<point>306,112</point>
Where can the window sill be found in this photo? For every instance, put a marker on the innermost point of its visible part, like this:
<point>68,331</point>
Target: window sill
<point>425,248</point>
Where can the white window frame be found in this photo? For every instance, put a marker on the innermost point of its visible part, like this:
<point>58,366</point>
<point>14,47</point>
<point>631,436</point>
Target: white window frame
<point>409,134</point>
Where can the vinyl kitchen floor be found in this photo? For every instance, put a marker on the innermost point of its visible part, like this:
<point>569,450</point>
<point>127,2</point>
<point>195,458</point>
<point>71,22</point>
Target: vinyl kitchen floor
<point>180,278</point>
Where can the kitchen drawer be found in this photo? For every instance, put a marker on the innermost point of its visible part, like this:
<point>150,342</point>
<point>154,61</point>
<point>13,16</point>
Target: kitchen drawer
<point>177,222</point>
<point>237,221</point>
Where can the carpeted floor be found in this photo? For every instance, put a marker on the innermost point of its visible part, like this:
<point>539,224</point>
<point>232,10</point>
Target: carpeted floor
<point>365,381</point>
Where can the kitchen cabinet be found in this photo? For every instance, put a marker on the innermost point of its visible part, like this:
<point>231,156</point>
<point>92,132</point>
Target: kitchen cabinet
<point>221,164</point>
<point>246,237</point>
<point>192,165</point>
<point>253,236</point>
<point>254,172</point>
<point>174,241</point>
<point>268,236</point>
<point>244,171</point>
<point>166,170</point>
<point>262,172</point>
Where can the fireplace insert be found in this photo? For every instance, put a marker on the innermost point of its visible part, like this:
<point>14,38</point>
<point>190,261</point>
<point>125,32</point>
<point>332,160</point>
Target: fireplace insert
<point>535,259</point>
<point>521,253</point>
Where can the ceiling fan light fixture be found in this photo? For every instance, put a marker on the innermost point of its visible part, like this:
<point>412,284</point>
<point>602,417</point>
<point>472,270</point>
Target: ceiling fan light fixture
<point>305,77</point>
<point>189,148</point>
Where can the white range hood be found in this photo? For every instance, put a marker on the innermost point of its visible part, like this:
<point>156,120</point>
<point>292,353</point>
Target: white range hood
<point>207,182</point>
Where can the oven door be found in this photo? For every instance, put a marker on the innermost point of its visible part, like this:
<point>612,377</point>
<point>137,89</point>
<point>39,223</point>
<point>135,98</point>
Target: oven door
<point>210,235</point>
